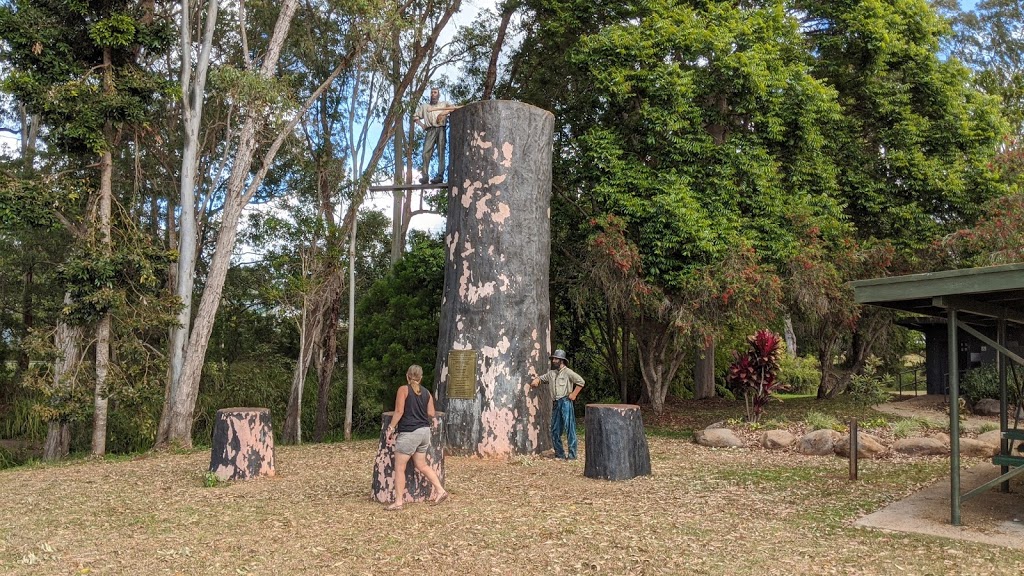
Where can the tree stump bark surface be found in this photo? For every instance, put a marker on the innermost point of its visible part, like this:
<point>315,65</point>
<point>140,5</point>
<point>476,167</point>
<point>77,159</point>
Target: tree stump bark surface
<point>495,299</point>
<point>243,444</point>
<point>417,488</point>
<point>616,448</point>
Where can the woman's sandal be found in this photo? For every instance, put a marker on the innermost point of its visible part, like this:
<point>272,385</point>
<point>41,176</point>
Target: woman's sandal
<point>439,499</point>
<point>394,507</point>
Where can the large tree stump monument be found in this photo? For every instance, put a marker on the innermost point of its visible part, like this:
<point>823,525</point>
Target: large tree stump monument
<point>616,448</point>
<point>243,444</point>
<point>417,488</point>
<point>495,314</point>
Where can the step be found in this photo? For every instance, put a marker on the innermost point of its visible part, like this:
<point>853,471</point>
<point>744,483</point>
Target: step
<point>1014,434</point>
<point>1006,460</point>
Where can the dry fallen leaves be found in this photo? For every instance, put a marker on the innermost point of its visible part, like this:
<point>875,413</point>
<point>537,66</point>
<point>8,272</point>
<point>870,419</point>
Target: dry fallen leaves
<point>745,511</point>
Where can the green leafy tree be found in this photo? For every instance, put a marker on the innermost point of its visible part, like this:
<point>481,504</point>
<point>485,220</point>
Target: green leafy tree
<point>913,151</point>
<point>397,320</point>
<point>699,149</point>
<point>80,68</point>
<point>915,138</point>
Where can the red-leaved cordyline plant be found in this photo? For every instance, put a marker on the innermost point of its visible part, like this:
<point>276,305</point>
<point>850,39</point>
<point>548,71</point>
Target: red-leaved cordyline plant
<point>755,374</point>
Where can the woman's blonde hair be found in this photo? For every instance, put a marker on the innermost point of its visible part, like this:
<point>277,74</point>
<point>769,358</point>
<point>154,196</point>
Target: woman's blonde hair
<point>414,374</point>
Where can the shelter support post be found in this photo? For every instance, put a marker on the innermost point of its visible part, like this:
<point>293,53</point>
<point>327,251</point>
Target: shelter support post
<point>954,419</point>
<point>1003,423</point>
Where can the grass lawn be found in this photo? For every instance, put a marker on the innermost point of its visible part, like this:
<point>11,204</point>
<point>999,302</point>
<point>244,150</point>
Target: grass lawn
<point>703,511</point>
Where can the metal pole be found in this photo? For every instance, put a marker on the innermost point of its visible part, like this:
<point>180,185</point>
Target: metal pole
<point>954,419</point>
<point>1004,447</point>
<point>351,328</point>
<point>854,448</point>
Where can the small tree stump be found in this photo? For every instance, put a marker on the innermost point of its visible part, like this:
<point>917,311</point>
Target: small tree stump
<point>616,448</point>
<point>417,488</point>
<point>243,444</point>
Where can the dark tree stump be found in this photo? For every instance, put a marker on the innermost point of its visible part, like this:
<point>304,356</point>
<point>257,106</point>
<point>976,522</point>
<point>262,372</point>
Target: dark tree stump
<point>496,278</point>
<point>243,444</point>
<point>616,448</point>
<point>417,488</point>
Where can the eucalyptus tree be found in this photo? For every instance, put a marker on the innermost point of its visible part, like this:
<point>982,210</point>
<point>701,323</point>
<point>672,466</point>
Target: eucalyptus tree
<point>267,117</point>
<point>374,97</point>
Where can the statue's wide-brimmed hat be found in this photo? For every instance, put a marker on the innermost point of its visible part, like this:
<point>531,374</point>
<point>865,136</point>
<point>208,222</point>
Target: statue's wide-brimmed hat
<point>560,354</point>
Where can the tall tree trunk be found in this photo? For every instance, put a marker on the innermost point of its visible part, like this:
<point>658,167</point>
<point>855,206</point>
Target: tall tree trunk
<point>790,336</point>
<point>704,373</point>
<point>496,278</point>
<point>99,419</point>
<point>325,369</point>
<point>176,421</point>
<point>398,202</point>
<point>350,354</point>
<point>68,341</point>
<point>293,414</point>
<point>192,114</point>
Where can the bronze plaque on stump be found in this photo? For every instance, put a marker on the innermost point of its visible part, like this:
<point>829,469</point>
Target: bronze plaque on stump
<point>462,374</point>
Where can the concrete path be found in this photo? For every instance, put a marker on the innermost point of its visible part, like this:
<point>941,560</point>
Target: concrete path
<point>991,518</point>
<point>932,408</point>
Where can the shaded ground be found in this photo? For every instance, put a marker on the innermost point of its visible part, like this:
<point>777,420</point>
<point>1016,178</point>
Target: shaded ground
<point>702,512</point>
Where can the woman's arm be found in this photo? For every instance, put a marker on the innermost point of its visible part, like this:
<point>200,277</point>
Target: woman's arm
<point>399,408</point>
<point>430,405</point>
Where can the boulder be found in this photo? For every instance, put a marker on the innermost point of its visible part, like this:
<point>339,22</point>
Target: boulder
<point>941,437</point>
<point>777,439</point>
<point>818,443</point>
<point>987,407</point>
<point>868,446</point>
<point>920,447</point>
<point>716,425</point>
<point>977,448</point>
<point>717,438</point>
<point>991,437</point>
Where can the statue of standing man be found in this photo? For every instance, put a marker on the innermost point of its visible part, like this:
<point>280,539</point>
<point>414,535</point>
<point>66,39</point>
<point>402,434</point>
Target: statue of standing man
<point>432,118</point>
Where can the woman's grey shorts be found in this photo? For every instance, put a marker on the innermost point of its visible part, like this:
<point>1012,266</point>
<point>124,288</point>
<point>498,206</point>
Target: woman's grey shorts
<point>416,441</point>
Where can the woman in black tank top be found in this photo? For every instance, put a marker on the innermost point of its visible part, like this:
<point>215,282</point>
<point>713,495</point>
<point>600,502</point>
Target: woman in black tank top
<point>414,410</point>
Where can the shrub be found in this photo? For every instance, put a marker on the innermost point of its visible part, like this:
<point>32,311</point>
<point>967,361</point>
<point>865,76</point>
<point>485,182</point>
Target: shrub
<point>878,422</point>
<point>800,374</point>
<point>869,388</point>
<point>983,382</point>
<point>821,421</point>
<point>905,428</point>
<point>755,374</point>
<point>987,427</point>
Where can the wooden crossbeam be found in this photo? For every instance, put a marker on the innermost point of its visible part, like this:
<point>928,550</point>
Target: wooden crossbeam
<point>979,308</point>
<point>394,187</point>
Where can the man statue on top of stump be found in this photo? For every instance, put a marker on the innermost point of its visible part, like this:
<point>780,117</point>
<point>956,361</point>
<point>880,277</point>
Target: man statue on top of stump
<point>432,118</point>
